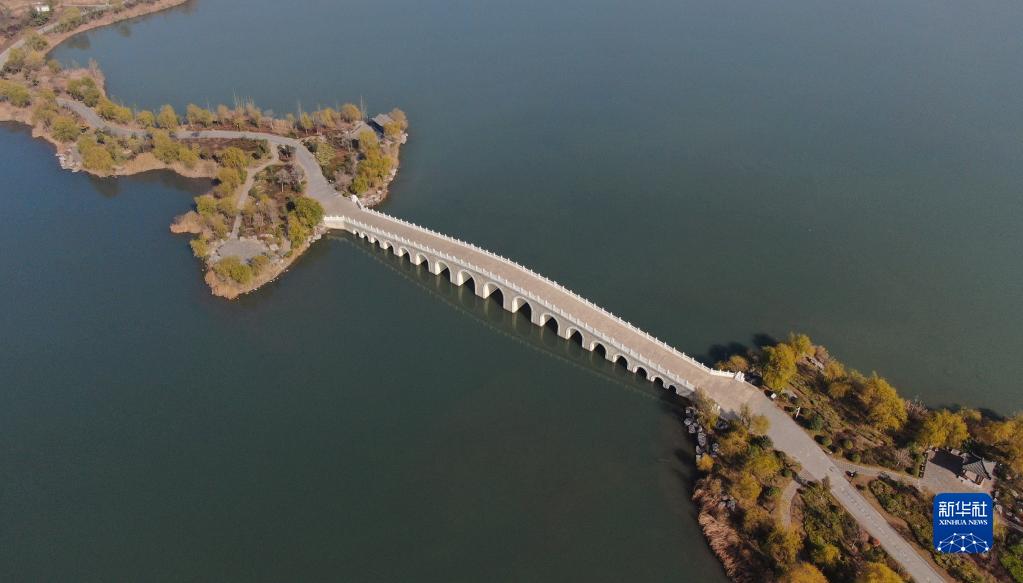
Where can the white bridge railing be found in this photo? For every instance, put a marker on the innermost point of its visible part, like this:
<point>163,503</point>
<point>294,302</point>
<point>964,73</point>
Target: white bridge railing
<point>653,366</point>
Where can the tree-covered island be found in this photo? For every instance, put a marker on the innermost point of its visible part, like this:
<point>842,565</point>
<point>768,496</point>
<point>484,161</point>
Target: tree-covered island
<point>256,219</point>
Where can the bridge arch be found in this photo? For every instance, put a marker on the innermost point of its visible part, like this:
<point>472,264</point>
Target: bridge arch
<point>419,259</point>
<point>546,317</point>
<point>437,266</point>
<point>572,334</point>
<point>498,296</point>
<point>641,372</point>
<point>620,359</point>
<point>403,252</point>
<point>517,303</point>
<point>489,288</point>
<point>598,347</point>
<point>461,276</point>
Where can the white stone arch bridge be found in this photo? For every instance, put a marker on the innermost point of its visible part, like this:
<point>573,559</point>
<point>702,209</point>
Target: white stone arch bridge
<point>548,302</point>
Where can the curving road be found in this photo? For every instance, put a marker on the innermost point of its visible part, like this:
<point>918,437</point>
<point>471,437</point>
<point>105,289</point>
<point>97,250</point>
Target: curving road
<point>316,184</point>
<point>568,308</point>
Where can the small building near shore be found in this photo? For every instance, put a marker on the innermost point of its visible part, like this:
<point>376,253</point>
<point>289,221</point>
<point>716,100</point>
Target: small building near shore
<point>380,121</point>
<point>358,128</point>
<point>977,470</point>
<point>40,8</point>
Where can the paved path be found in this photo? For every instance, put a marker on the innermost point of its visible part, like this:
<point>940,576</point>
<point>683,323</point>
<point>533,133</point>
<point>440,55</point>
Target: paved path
<point>46,28</point>
<point>317,185</point>
<point>21,42</point>
<point>243,191</point>
<point>785,503</point>
<point>617,335</point>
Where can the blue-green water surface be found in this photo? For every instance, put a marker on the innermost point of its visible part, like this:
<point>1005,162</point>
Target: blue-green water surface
<point>712,171</point>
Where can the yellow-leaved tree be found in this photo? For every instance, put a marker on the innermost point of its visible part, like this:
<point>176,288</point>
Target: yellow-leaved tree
<point>804,573</point>
<point>878,573</point>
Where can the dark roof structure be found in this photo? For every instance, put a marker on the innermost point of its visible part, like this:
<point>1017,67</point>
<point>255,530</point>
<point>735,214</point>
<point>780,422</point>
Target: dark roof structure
<point>979,466</point>
<point>381,120</point>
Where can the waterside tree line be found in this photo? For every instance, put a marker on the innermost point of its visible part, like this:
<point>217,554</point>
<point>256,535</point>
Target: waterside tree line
<point>743,498</point>
<point>836,400</point>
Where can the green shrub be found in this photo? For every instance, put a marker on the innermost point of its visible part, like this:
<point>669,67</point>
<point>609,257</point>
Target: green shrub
<point>297,232</point>
<point>167,118</point>
<point>259,264</point>
<point>84,89</point>
<point>206,205</point>
<point>15,60</point>
<point>94,156</point>
<point>165,148</point>
<point>1011,558</point>
<point>66,128</point>
<point>229,179</point>
<point>234,158</point>
<point>71,20</point>
<point>234,269</point>
<point>309,211</point>
<point>111,111</point>
<point>227,207</point>
<point>325,154</point>
<point>188,157</point>
<point>18,95</point>
<point>145,118</point>
<point>816,422</point>
<point>35,41</point>
<point>198,116</point>
<point>200,248</point>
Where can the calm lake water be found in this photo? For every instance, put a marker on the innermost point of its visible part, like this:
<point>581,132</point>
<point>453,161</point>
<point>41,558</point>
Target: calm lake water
<point>713,171</point>
<point>364,422</point>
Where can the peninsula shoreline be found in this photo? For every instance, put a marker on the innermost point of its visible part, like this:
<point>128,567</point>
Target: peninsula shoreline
<point>330,152</point>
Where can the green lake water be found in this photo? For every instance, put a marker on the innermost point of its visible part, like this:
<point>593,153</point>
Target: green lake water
<point>715,172</point>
